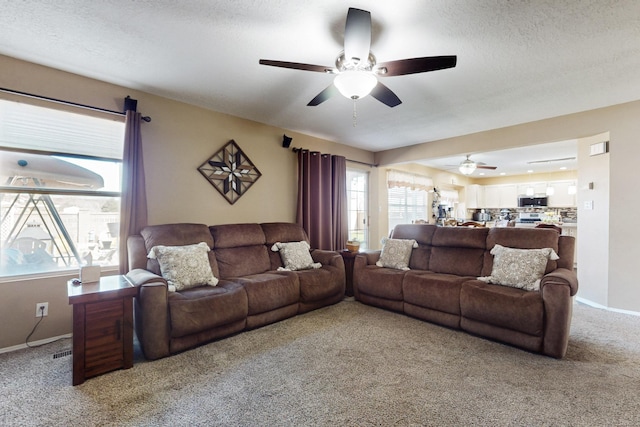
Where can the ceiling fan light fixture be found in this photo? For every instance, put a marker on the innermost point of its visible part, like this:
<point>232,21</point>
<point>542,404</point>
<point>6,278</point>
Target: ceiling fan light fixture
<point>467,167</point>
<point>355,84</point>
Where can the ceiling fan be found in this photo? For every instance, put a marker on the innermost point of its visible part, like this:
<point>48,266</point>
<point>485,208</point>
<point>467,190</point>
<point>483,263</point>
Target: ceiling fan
<point>467,166</point>
<point>356,68</point>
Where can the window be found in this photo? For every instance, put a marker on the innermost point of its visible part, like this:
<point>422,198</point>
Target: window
<point>59,189</point>
<point>406,206</point>
<point>357,202</point>
<point>407,197</point>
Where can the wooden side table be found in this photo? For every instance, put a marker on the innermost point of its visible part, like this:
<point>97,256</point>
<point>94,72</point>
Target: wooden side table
<point>102,326</point>
<point>349,258</point>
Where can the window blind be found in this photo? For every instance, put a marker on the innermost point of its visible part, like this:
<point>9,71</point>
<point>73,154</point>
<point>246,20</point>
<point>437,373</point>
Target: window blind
<point>29,127</point>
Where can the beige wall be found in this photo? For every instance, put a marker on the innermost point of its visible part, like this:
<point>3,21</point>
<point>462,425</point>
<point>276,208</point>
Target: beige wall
<point>179,138</point>
<point>622,124</point>
<point>593,224</point>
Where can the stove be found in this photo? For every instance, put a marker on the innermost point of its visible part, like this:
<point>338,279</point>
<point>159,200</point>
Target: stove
<point>530,217</point>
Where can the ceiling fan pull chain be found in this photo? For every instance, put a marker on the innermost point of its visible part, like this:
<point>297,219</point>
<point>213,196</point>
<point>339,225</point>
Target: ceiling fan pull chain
<point>355,114</point>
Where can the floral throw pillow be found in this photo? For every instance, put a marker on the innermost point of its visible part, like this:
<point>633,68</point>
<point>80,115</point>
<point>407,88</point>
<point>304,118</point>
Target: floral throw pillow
<point>184,267</point>
<point>396,253</point>
<point>295,256</point>
<point>519,268</point>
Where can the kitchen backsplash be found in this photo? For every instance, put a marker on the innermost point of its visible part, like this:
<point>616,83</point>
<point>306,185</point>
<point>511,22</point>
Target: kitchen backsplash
<point>570,214</point>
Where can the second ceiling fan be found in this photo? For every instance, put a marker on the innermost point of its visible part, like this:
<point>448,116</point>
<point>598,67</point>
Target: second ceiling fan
<point>468,166</point>
<point>356,68</point>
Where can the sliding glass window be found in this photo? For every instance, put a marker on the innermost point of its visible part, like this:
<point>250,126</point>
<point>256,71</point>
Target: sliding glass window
<point>60,175</point>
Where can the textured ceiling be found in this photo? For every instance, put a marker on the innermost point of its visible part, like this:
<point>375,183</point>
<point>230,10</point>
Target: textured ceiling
<point>518,61</point>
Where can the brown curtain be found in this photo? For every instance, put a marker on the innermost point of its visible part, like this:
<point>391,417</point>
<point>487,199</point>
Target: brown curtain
<point>133,203</point>
<point>322,199</point>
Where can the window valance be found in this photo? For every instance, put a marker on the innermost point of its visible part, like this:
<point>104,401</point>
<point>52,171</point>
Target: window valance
<point>397,178</point>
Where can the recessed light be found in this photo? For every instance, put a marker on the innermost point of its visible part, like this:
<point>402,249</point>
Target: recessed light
<point>503,173</point>
<point>481,173</point>
<point>563,168</point>
<point>530,171</point>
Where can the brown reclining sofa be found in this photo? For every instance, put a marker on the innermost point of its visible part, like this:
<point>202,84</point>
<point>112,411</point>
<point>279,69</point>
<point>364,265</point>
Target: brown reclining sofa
<point>442,286</point>
<point>250,292</point>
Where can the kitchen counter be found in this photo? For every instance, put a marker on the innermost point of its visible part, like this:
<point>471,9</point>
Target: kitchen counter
<point>561,224</point>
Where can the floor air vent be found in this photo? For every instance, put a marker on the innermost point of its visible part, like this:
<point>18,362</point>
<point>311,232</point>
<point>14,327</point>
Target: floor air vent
<point>63,353</point>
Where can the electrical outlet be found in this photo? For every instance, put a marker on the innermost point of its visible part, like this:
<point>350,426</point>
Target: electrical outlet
<point>42,309</point>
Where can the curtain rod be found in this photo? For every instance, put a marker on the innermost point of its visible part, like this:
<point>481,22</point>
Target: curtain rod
<point>61,101</point>
<point>371,165</point>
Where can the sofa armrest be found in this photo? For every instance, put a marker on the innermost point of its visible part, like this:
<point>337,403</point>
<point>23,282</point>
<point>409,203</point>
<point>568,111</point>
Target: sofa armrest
<point>139,277</point>
<point>557,289</point>
<point>561,276</point>
<point>368,257</point>
<point>151,313</point>
<point>325,257</point>
<point>136,252</point>
<point>332,259</point>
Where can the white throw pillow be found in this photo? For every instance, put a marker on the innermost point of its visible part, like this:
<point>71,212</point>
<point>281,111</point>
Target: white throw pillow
<point>396,253</point>
<point>184,267</point>
<point>295,256</point>
<point>519,268</point>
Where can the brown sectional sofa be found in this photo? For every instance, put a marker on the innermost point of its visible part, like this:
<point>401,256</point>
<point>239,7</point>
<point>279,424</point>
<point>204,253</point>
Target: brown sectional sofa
<point>442,286</point>
<point>251,292</point>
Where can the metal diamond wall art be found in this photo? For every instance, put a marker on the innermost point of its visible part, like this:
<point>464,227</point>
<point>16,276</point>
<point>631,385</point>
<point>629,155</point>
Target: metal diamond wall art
<point>230,171</point>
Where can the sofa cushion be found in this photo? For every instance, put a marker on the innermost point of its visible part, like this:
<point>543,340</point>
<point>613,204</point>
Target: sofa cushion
<point>502,306</point>
<point>235,235</point>
<point>380,282</point>
<point>295,256</point>
<point>281,232</point>
<point>240,249</point>
<point>199,309</point>
<point>458,250</point>
<point>242,261</point>
<point>316,285</point>
<point>396,253</point>
<point>519,268</point>
<point>177,235</point>
<point>423,234</point>
<point>270,291</point>
<point>520,238</point>
<point>433,290</point>
<point>184,267</point>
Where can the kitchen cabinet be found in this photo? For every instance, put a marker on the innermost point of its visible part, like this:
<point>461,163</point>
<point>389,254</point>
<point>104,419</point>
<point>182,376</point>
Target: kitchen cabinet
<point>539,189</point>
<point>474,196</point>
<point>491,196</point>
<point>500,196</point>
<point>561,197</point>
<point>508,196</point>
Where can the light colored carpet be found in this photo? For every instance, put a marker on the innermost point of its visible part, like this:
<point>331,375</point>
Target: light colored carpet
<point>347,364</point>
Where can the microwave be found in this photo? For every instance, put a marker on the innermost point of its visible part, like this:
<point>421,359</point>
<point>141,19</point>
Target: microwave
<point>527,201</point>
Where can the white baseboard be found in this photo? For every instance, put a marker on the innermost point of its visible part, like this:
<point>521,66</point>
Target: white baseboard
<point>34,343</point>
<point>596,305</point>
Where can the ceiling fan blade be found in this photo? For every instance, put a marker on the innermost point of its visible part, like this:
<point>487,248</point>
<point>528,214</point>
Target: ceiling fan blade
<point>385,95</point>
<point>323,96</point>
<point>486,167</point>
<point>298,66</point>
<point>416,65</point>
<point>357,35</point>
